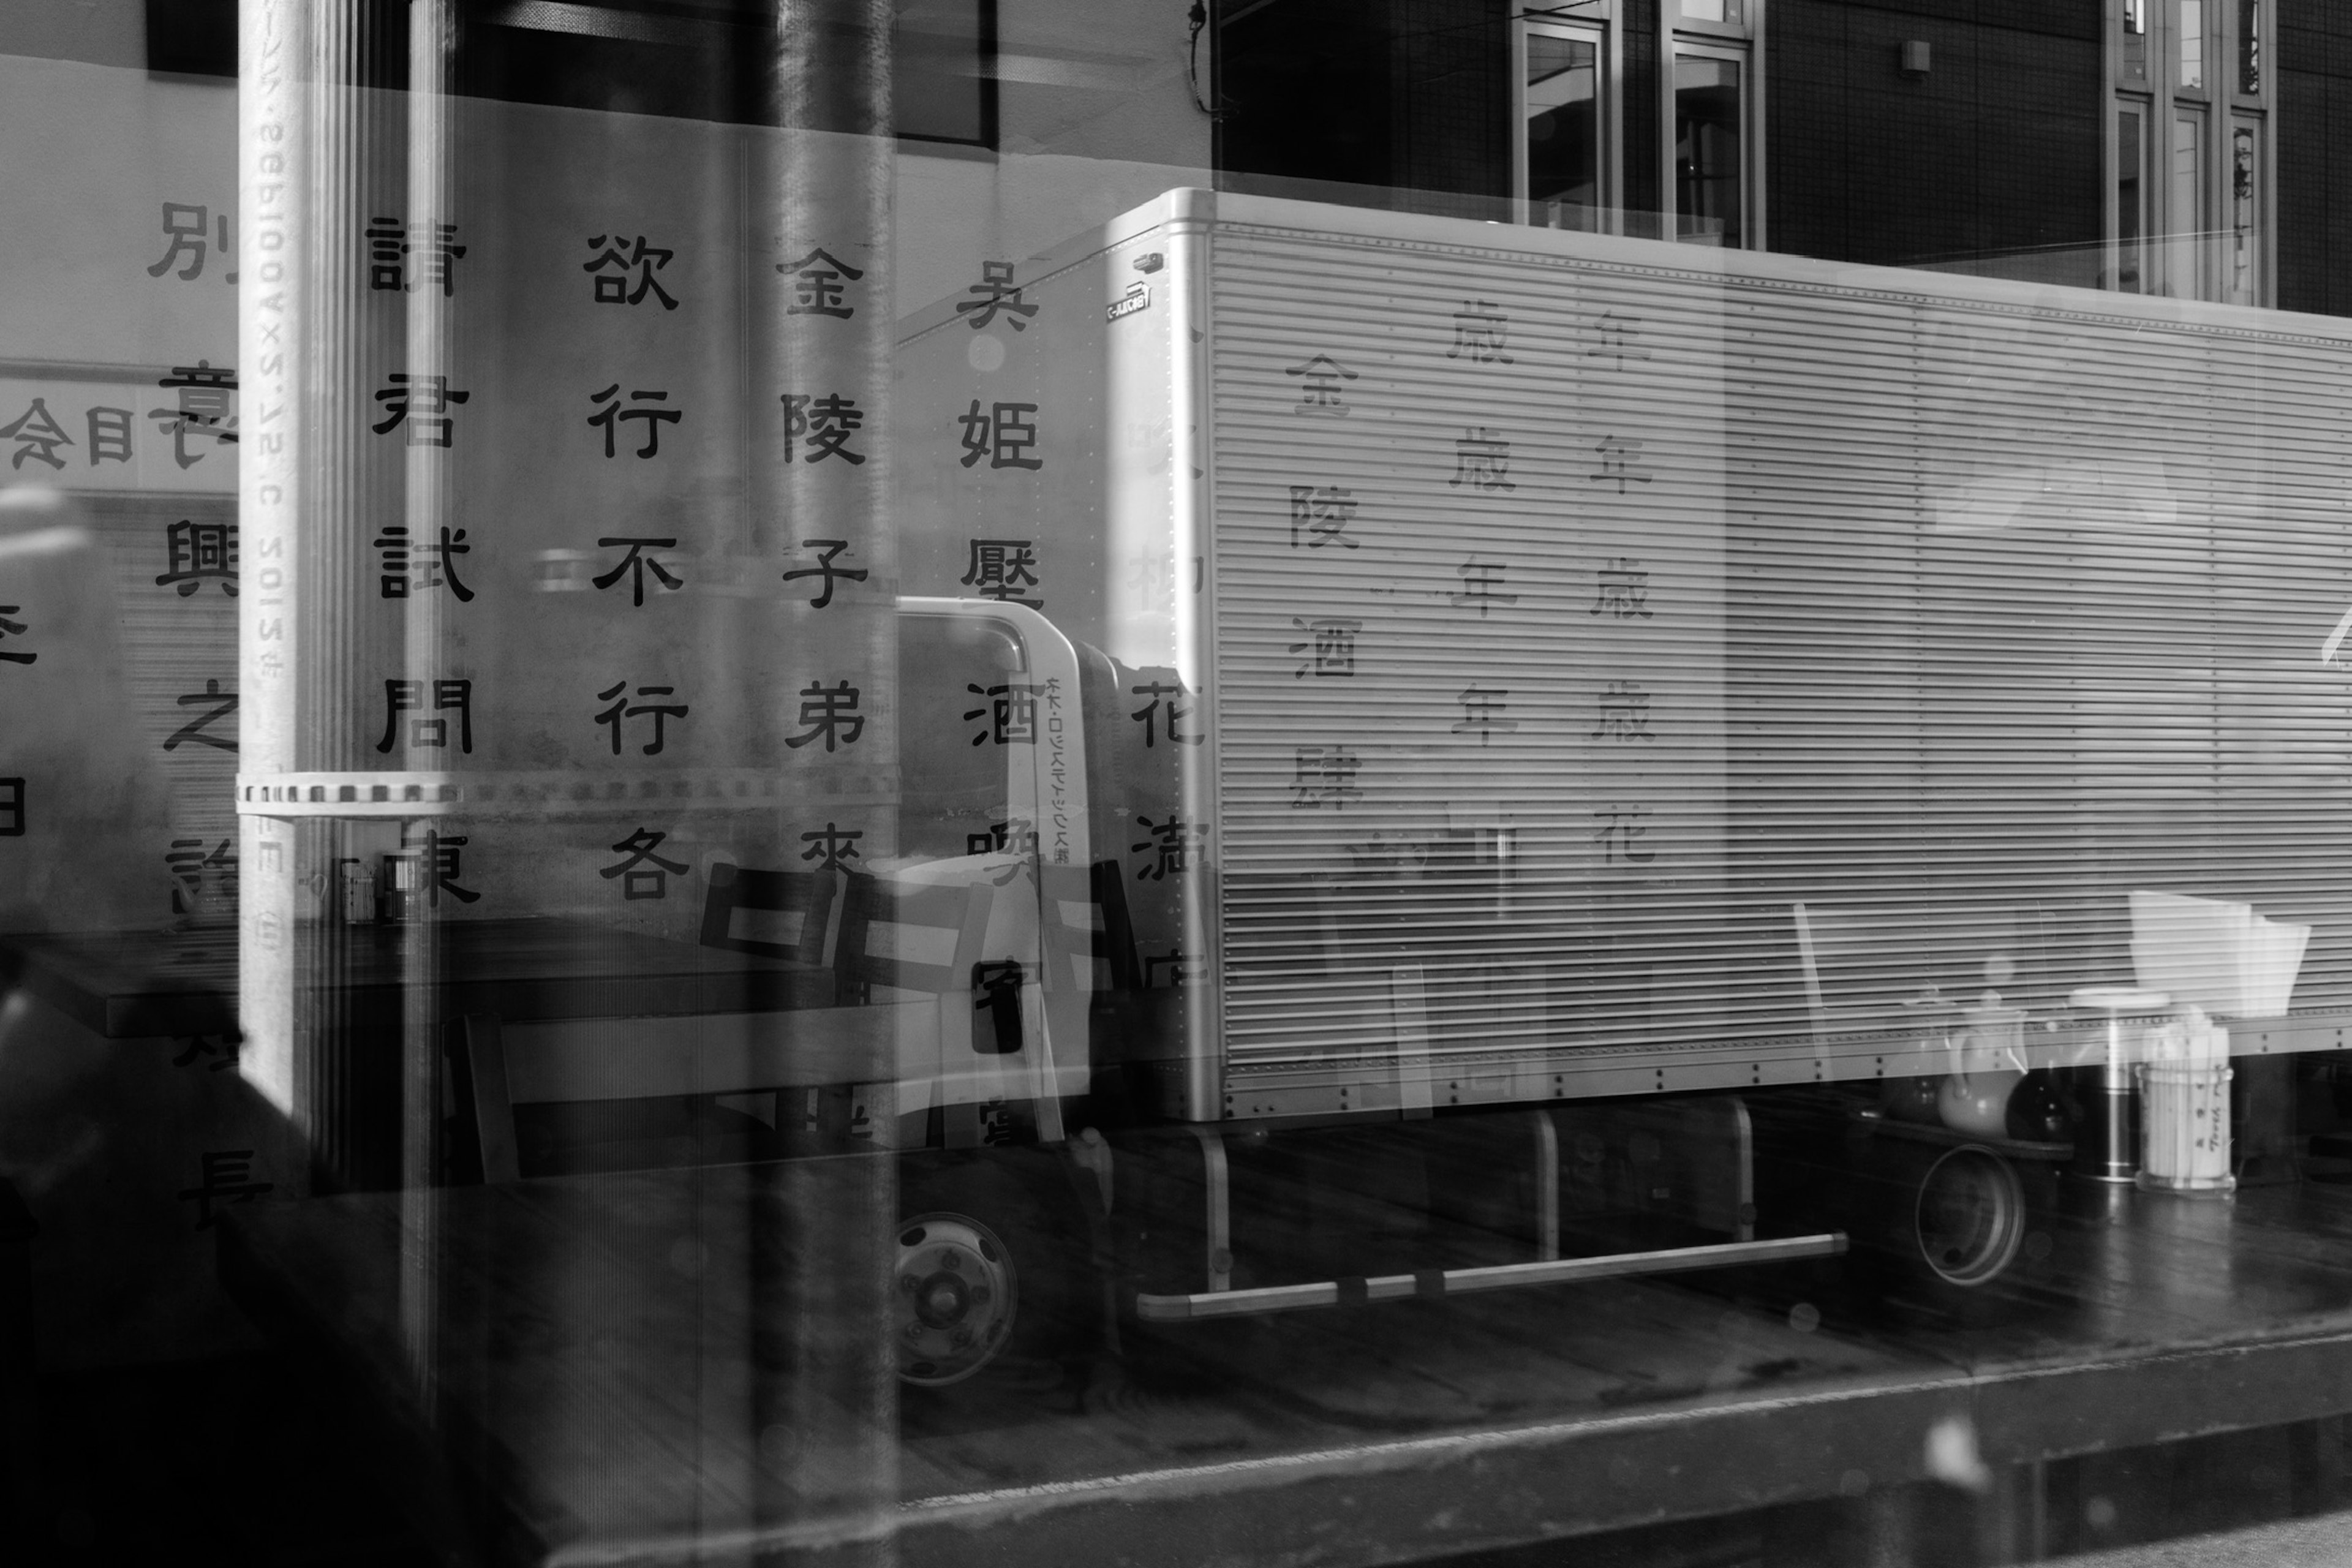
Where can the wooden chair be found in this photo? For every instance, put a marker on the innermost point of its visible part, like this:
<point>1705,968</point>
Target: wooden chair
<point>805,901</point>
<point>1087,934</point>
<point>1868,968</point>
<point>905,954</point>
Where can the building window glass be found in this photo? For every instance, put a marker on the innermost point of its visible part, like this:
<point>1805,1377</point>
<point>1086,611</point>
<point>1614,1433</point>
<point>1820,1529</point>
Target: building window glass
<point>2189,226</point>
<point>1567,122</point>
<point>2244,260</point>
<point>1710,184</point>
<point>2192,44</point>
<point>2131,196</point>
<point>2190,176</point>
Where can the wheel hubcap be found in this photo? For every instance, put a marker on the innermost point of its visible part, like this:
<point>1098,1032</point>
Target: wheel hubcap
<point>1970,1217</point>
<point>955,1297</point>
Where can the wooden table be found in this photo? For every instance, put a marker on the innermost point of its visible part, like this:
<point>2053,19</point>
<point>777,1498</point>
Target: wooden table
<point>593,1338</point>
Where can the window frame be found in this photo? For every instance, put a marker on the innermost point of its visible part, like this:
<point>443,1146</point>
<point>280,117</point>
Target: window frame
<point>1596,22</point>
<point>2192,254</point>
<point>1743,42</point>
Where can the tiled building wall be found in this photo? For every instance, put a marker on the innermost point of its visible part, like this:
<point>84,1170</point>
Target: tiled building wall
<point>1451,96</point>
<point>1407,101</point>
<point>1996,149</point>
<point>2314,59</point>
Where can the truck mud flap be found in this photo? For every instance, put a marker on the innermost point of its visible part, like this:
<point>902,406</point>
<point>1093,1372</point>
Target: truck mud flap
<point>1438,1282</point>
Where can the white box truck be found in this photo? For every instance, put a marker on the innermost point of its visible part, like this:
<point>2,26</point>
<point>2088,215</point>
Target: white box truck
<point>1537,688</point>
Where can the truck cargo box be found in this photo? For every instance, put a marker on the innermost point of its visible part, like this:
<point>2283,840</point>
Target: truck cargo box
<point>1513,628</point>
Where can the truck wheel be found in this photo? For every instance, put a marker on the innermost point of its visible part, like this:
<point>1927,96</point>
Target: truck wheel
<point>957,1295</point>
<point>988,1273</point>
<point>1969,1217</point>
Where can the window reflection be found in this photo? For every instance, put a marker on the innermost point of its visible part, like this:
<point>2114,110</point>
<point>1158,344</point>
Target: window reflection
<point>1710,172</point>
<point>891,792</point>
<point>1565,125</point>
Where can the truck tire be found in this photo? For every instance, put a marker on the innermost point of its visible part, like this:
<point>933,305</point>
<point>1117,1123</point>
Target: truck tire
<point>1969,1219</point>
<point>989,1289</point>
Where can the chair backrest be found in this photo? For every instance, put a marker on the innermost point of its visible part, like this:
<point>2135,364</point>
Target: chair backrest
<point>802,905</point>
<point>909,936</point>
<point>1086,922</point>
<point>1866,967</point>
<point>881,934</point>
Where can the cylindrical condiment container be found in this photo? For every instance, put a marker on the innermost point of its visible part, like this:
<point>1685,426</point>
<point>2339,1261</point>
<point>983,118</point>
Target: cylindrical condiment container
<point>2185,1128</point>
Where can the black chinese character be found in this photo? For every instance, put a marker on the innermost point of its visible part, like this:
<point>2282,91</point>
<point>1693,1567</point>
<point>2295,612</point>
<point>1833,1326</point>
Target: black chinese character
<point>1154,692</point>
<point>386,242</point>
<point>1482,714</point>
<point>1171,847</point>
<point>1016,835</point>
<point>827,423</point>
<point>832,846</point>
<point>637,563</point>
<point>186,225</point>
<point>831,713</point>
<point>1623,590</point>
<point>1324,776</point>
<point>408,696</point>
<point>609,412</point>
<point>999,569</point>
<point>1480,583</point>
<point>1330,645</point>
<point>223,704</point>
<point>12,808</point>
<point>226,1177</point>
<point>439,866</point>
<point>1322,515</point>
<point>639,848</point>
<point>1482,459</point>
<point>204,408</point>
<point>391,244</point>
<point>1617,455</point>
<point>660,712</point>
<point>424,401</point>
<point>1319,384</point>
<point>1624,713</point>
<point>996,991</point>
<point>1616,336</point>
<point>38,435</point>
<point>1001,435</point>
<point>433,565</point>
<point>997,292</point>
<point>198,551</point>
<point>816,285</point>
<point>612,291</point>
<point>110,436</point>
<point>9,628</point>
<point>1479,329</point>
<point>826,549</point>
<point>1619,827</point>
<point>1010,711</point>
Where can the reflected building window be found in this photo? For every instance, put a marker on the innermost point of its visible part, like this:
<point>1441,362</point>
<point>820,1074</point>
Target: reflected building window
<point>2195,228</point>
<point>1710,165</point>
<point>1568,116</point>
<point>1712,123</point>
